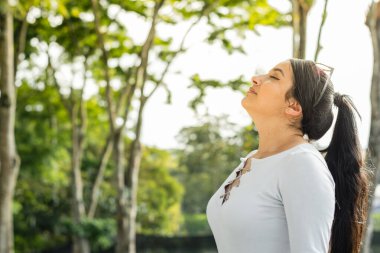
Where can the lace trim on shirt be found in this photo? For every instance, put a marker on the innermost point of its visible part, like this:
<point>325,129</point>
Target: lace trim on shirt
<point>235,182</point>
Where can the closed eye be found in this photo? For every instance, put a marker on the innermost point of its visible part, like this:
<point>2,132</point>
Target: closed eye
<point>274,77</point>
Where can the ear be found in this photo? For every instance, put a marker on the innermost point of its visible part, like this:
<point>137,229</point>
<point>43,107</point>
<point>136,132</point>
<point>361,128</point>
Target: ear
<point>294,108</point>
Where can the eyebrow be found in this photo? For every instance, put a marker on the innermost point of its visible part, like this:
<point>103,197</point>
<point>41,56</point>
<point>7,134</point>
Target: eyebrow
<point>280,70</point>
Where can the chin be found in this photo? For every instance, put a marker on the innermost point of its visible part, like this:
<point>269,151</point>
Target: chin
<point>248,107</point>
<point>244,102</point>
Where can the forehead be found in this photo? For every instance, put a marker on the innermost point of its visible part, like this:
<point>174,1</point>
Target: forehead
<point>284,71</point>
<point>283,68</point>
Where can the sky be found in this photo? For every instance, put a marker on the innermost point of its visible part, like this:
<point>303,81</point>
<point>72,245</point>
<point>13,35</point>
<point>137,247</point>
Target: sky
<point>346,46</point>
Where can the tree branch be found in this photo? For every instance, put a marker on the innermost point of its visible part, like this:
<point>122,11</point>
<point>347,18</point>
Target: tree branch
<point>126,89</point>
<point>142,68</point>
<point>55,83</point>
<point>21,40</point>
<point>82,108</point>
<point>204,12</point>
<point>319,47</point>
<point>110,109</point>
<point>105,155</point>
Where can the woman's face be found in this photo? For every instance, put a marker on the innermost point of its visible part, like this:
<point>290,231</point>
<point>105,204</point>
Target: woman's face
<point>266,96</point>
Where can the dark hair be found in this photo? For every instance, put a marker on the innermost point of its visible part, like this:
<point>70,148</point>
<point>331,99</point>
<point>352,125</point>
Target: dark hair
<point>344,156</point>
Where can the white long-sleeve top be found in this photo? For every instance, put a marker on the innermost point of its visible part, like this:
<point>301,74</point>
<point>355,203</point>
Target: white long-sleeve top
<point>284,204</point>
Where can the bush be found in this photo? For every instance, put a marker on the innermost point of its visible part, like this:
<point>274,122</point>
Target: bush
<point>100,232</point>
<point>195,224</point>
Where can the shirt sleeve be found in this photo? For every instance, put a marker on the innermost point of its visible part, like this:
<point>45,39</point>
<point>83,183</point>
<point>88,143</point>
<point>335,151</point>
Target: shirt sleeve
<point>308,194</point>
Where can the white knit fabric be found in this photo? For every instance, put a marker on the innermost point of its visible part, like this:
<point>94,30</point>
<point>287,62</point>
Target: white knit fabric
<point>285,204</point>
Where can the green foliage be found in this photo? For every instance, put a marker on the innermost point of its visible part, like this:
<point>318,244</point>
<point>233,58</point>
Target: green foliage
<point>200,85</point>
<point>41,194</point>
<point>160,194</point>
<point>196,224</point>
<point>170,183</point>
<point>139,7</point>
<point>211,150</point>
<point>208,156</point>
<point>240,17</point>
<point>100,232</point>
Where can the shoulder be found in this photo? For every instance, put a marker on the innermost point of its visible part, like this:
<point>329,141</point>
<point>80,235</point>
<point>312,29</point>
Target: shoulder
<point>307,154</point>
<point>306,157</point>
<point>306,164</point>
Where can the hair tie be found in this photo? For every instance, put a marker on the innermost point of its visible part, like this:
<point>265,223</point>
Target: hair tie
<point>338,99</point>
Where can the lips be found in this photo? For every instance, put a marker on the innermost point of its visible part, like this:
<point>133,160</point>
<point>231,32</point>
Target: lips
<point>251,90</point>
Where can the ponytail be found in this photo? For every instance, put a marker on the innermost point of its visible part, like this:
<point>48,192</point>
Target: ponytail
<point>313,88</point>
<point>345,161</point>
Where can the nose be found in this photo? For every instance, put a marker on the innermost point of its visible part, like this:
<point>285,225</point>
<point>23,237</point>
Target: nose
<point>255,80</point>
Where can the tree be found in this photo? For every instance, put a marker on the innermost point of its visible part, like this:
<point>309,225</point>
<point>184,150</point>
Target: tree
<point>300,10</point>
<point>207,158</point>
<point>76,110</point>
<point>373,152</point>
<point>266,15</point>
<point>41,195</point>
<point>76,37</point>
<point>9,159</point>
<point>160,193</point>
<point>74,104</point>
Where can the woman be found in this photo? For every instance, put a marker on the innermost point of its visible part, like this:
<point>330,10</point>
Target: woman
<point>286,196</point>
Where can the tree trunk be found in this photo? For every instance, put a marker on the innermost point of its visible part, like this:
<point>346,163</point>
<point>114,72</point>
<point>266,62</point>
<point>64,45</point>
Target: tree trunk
<point>373,152</point>
<point>132,178</point>
<point>21,41</point>
<point>300,10</point>
<point>110,105</point>
<point>127,209</point>
<point>9,160</point>
<point>80,245</point>
<point>122,216</point>
<point>76,111</point>
<point>106,153</point>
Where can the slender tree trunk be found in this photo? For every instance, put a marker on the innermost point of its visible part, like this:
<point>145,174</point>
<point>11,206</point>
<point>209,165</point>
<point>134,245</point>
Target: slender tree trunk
<point>122,197</point>
<point>122,216</point>
<point>110,106</point>
<point>9,160</point>
<point>135,154</point>
<point>80,245</point>
<point>104,158</point>
<point>300,10</point>
<point>373,152</point>
<point>21,41</point>
<point>296,28</point>
<point>78,118</point>
<point>126,210</point>
<point>302,34</point>
<point>76,111</point>
<point>133,176</point>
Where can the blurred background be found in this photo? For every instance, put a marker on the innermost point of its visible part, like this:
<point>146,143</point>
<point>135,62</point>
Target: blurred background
<point>120,119</point>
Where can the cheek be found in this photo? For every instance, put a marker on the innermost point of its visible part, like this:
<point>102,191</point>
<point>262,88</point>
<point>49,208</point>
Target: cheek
<point>273,95</point>
<point>274,99</point>
<point>270,96</point>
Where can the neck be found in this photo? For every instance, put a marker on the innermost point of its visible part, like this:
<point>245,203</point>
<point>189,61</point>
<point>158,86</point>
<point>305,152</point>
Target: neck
<point>275,138</point>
